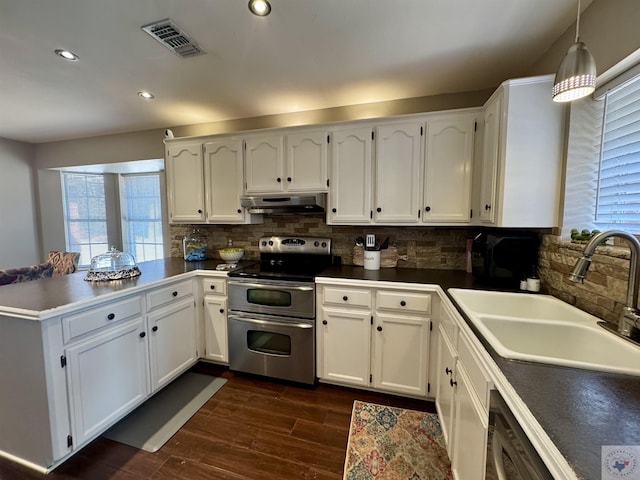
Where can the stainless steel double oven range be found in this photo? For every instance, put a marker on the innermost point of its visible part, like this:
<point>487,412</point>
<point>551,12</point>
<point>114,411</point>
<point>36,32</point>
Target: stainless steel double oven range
<point>271,320</point>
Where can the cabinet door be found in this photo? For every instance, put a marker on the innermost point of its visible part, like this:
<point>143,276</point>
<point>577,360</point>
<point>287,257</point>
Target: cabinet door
<point>264,164</point>
<point>344,346</point>
<point>469,449</point>
<point>448,161</point>
<point>185,185</point>
<point>490,159</point>
<point>400,353</point>
<point>444,388</point>
<point>224,181</point>
<point>397,177</point>
<point>172,342</point>
<point>215,328</point>
<point>107,378</point>
<point>350,176</point>
<point>307,162</point>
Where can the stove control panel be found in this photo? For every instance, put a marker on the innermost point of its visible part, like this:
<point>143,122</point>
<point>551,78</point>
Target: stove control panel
<point>296,245</point>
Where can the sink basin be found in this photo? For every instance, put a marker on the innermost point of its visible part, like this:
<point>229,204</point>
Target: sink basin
<point>544,329</point>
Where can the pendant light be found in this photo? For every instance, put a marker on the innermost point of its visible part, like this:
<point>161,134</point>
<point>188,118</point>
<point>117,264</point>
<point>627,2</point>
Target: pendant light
<point>576,76</point>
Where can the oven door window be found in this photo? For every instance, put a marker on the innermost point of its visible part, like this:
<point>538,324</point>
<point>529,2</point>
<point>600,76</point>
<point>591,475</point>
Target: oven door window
<point>269,298</point>
<point>269,342</point>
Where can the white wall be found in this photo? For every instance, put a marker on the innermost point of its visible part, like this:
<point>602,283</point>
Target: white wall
<point>18,219</point>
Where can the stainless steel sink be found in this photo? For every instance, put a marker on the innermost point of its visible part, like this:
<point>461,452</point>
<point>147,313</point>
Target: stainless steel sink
<point>544,329</point>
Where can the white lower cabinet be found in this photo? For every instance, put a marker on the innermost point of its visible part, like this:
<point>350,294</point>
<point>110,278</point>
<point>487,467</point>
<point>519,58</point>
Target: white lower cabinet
<point>108,376</point>
<point>462,402</point>
<point>344,347</point>
<point>400,353</point>
<point>215,319</point>
<point>374,337</point>
<point>172,342</point>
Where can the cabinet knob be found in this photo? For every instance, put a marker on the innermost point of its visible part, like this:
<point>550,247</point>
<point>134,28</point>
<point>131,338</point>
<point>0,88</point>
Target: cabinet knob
<point>448,371</point>
<point>143,334</point>
<point>278,179</point>
<point>175,294</point>
<point>379,328</point>
<point>222,310</point>
<point>334,210</point>
<point>378,209</point>
<point>212,287</point>
<point>345,298</point>
<point>403,303</point>
<point>452,382</point>
<point>199,210</point>
<point>111,316</point>
<point>324,322</point>
<point>427,209</point>
<point>288,179</point>
<point>154,328</point>
<point>239,210</point>
<point>487,206</point>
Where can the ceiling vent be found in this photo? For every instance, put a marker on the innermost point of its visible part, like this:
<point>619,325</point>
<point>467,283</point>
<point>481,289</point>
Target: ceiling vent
<point>172,37</point>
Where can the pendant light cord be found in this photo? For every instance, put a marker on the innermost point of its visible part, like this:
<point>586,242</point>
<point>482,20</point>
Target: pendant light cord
<point>578,24</point>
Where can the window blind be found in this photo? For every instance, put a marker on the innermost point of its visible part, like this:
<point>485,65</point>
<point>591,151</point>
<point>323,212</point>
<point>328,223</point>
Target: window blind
<point>618,191</point>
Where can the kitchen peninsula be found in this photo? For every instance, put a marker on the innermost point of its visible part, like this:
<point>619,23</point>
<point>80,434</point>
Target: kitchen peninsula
<point>51,327</point>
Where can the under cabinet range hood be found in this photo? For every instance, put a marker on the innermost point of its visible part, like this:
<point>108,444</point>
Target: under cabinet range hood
<point>285,204</point>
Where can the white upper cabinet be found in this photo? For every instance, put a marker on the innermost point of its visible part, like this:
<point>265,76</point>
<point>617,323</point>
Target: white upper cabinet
<point>223,173</point>
<point>264,164</point>
<point>449,147</point>
<point>350,177</point>
<point>205,181</point>
<point>397,172</point>
<point>306,161</point>
<point>521,166</point>
<point>185,188</point>
<point>294,162</point>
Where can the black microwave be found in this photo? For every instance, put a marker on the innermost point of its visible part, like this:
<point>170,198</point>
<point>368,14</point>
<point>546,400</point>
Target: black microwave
<point>504,258</point>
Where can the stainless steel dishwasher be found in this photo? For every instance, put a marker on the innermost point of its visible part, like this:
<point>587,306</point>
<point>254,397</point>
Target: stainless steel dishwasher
<point>510,455</point>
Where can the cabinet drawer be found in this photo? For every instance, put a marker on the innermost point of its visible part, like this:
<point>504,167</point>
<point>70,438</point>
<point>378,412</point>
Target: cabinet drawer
<point>164,295</point>
<point>414,302</point>
<point>214,286</point>
<point>480,381</point>
<point>78,324</point>
<point>347,296</point>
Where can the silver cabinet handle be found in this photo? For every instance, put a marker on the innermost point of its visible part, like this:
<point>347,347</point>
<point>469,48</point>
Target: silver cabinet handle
<point>271,322</point>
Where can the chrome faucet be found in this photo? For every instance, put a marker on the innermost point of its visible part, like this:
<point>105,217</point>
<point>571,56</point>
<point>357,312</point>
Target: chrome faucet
<point>630,317</point>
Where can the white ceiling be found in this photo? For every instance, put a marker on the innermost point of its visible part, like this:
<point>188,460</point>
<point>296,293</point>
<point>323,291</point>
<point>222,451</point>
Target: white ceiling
<point>308,54</point>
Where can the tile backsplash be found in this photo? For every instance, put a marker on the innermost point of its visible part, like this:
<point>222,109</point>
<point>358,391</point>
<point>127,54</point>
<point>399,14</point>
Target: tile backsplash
<point>604,290</point>
<point>426,247</point>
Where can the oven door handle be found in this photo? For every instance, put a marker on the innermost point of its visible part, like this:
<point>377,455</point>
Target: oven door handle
<point>270,322</point>
<point>272,287</point>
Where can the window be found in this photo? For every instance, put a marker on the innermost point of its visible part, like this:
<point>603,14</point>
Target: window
<point>102,210</point>
<point>618,186</point>
<point>141,216</point>
<point>85,215</point>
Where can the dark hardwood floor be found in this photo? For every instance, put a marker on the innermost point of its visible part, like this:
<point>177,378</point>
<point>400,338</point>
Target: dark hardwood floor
<point>252,428</point>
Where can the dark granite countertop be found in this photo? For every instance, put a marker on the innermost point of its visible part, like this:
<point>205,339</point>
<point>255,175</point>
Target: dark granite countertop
<point>48,294</point>
<point>580,410</point>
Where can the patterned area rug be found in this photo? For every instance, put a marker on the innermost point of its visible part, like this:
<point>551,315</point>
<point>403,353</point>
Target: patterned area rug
<point>389,443</point>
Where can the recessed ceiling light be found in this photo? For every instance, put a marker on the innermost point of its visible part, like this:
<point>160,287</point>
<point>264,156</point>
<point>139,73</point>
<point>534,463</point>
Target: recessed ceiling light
<point>67,55</point>
<point>262,8</point>
<point>146,95</point>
